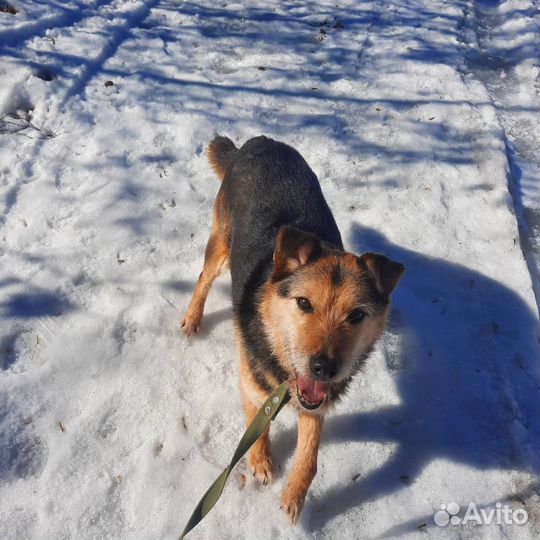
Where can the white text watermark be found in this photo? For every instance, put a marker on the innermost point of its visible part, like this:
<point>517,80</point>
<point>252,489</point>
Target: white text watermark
<point>450,514</point>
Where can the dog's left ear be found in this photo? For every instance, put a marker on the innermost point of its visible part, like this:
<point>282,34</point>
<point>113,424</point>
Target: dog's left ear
<point>384,271</point>
<point>294,248</point>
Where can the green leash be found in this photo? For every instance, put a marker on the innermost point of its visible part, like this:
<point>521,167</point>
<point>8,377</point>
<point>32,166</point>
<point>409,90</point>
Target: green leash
<point>262,419</point>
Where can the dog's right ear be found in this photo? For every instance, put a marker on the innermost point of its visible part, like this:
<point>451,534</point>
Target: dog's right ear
<point>294,248</point>
<point>384,271</point>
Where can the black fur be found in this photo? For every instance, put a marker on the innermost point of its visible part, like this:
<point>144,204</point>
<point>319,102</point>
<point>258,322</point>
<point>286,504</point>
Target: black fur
<point>260,357</point>
<point>337,275</point>
<point>284,289</point>
<point>267,185</point>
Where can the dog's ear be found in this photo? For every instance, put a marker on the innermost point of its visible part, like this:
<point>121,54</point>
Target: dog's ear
<point>384,271</point>
<point>294,248</point>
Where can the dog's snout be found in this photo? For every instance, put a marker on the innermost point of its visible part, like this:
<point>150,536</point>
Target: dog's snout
<point>323,368</point>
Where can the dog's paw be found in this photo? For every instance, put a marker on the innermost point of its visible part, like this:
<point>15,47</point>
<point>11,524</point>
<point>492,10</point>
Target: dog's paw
<point>291,505</point>
<point>261,467</point>
<point>190,325</point>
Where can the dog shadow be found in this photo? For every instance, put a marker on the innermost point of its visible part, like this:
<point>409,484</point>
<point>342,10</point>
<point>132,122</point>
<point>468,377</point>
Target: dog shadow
<point>213,319</point>
<point>466,373</point>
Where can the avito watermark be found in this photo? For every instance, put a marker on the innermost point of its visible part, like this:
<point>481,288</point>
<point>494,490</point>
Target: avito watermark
<point>501,514</point>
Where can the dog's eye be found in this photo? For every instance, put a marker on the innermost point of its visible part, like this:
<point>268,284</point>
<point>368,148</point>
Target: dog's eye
<point>356,316</point>
<point>304,304</point>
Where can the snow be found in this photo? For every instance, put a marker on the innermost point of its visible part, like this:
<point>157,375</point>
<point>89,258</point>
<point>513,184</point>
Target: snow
<point>420,119</point>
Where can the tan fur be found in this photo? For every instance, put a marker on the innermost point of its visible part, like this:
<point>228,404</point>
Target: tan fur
<point>259,458</point>
<point>294,335</point>
<point>216,258</point>
<point>310,334</point>
<point>214,153</point>
<point>212,159</point>
<point>305,465</point>
<point>301,335</point>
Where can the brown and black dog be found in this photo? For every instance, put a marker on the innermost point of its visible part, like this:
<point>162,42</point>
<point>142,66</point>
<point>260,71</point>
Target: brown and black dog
<point>305,311</point>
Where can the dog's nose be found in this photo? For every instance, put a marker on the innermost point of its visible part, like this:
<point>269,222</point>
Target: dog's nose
<point>323,368</point>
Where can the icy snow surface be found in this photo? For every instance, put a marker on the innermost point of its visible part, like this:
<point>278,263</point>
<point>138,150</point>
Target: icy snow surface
<point>420,119</point>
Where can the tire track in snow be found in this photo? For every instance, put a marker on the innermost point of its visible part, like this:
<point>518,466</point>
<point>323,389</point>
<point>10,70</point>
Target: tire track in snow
<point>24,173</point>
<point>120,33</point>
<point>493,67</point>
<point>485,62</point>
<point>16,37</point>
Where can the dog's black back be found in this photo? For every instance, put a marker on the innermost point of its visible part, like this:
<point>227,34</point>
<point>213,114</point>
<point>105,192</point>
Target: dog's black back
<point>268,184</point>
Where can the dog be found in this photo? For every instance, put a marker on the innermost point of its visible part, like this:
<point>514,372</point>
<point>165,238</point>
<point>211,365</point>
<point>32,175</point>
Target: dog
<point>305,310</point>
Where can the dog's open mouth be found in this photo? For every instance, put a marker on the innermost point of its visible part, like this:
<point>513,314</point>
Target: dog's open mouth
<point>311,393</point>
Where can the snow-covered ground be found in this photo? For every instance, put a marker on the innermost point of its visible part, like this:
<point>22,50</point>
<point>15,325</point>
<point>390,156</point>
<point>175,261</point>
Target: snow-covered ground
<point>420,119</point>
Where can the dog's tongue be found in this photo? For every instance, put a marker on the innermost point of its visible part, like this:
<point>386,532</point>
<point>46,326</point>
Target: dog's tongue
<point>312,391</point>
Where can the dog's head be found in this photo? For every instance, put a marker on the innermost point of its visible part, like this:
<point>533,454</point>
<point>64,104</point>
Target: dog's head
<point>323,311</point>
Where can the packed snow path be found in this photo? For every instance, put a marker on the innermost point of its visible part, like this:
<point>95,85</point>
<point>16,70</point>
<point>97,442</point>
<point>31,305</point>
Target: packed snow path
<point>421,122</point>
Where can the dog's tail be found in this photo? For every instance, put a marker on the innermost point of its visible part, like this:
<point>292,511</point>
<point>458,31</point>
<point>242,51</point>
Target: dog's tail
<point>221,151</point>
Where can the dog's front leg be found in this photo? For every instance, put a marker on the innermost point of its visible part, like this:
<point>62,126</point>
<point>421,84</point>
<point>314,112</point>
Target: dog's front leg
<point>305,465</point>
<point>259,459</point>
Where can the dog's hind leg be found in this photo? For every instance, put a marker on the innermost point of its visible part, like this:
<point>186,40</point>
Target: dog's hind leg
<point>216,258</point>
